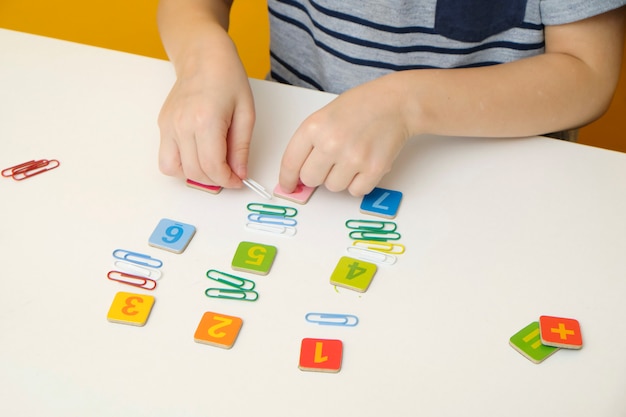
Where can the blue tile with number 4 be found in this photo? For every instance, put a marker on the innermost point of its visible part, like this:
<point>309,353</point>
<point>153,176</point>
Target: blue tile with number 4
<point>172,235</point>
<point>381,202</point>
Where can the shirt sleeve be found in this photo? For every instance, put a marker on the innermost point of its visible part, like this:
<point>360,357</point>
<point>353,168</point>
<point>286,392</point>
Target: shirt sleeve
<point>559,12</point>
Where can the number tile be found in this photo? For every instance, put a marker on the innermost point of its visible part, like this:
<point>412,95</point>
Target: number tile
<point>381,202</point>
<point>353,274</point>
<point>321,355</point>
<point>218,330</point>
<point>300,195</point>
<point>130,308</point>
<point>171,235</point>
<point>253,257</point>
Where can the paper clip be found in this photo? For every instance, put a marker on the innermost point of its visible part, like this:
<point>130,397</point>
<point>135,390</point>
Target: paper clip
<point>137,258</point>
<point>257,188</point>
<point>272,219</point>
<point>372,255</point>
<point>274,229</point>
<point>228,294</point>
<point>378,236</point>
<point>272,210</point>
<point>369,225</point>
<point>381,246</point>
<point>135,269</point>
<point>231,280</point>
<point>30,169</point>
<point>134,280</point>
<point>326,319</point>
<point>8,172</point>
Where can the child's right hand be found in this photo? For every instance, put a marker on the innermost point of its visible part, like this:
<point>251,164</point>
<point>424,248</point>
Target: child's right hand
<point>207,119</point>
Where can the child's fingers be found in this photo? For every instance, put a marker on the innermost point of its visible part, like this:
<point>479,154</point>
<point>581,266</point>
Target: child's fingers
<point>238,142</point>
<point>169,157</point>
<point>295,155</point>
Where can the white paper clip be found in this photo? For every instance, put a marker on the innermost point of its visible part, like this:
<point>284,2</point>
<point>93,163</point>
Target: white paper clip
<point>271,228</point>
<point>257,188</point>
<point>371,255</point>
<point>387,247</point>
<point>326,319</point>
<point>135,269</point>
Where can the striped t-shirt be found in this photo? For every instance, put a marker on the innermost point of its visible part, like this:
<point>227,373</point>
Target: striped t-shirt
<point>333,45</point>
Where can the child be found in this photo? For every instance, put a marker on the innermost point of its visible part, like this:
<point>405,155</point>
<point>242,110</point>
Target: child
<point>500,68</point>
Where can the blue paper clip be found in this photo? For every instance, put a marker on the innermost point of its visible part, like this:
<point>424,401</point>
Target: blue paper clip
<point>230,280</point>
<point>229,294</point>
<point>272,219</point>
<point>326,319</point>
<point>272,209</point>
<point>137,258</point>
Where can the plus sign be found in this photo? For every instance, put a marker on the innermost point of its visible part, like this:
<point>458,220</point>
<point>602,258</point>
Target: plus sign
<point>562,331</point>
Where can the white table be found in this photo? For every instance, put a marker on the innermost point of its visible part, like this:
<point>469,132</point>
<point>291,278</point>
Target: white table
<point>498,232</point>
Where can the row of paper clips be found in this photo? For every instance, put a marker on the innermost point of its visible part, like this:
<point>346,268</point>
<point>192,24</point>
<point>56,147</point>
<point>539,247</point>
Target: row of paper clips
<point>374,241</point>
<point>29,169</point>
<point>272,218</point>
<point>238,288</point>
<point>135,269</point>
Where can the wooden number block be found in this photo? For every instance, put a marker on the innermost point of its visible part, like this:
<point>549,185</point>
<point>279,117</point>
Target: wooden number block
<point>353,274</point>
<point>381,202</point>
<point>130,308</point>
<point>218,330</point>
<point>254,258</point>
<point>172,236</point>
<point>300,195</point>
<point>321,355</point>
<point>213,189</point>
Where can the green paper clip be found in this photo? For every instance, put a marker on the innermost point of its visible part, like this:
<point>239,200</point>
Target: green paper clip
<point>369,225</point>
<point>232,294</point>
<point>374,235</point>
<point>273,210</point>
<point>230,280</point>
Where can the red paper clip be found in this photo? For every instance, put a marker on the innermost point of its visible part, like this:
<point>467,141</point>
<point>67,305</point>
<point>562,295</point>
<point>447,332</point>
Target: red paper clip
<point>30,169</point>
<point>134,280</point>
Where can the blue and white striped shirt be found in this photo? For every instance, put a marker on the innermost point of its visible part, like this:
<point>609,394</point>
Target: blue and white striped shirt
<point>333,45</point>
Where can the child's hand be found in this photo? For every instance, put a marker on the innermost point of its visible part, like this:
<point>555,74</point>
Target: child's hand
<point>206,122</point>
<point>351,143</point>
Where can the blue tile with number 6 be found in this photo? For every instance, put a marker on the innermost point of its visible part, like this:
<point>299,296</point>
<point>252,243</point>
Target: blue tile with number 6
<point>172,235</point>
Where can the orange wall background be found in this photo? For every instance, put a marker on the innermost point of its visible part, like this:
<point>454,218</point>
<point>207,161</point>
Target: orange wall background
<point>130,26</point>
